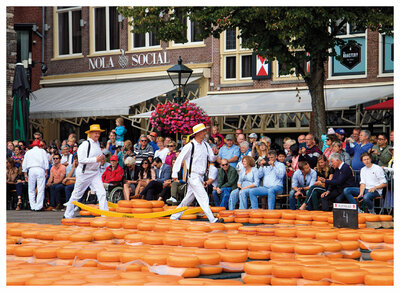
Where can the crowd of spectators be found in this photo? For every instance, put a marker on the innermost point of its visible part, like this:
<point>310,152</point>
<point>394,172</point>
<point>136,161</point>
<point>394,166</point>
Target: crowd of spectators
<point>347,168</point>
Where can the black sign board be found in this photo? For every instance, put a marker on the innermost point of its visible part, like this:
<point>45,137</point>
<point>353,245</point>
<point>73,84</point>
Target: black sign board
<point>351,56</point>
<point>345,215</point>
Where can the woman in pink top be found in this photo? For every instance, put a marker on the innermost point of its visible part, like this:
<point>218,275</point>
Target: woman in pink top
<point>329,141</point>
<point>171,154</point>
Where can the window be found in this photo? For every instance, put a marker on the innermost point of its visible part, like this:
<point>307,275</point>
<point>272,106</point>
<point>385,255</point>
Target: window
<point>145,40</point>
<point>386,53</point>
<point>69,30</point>
<point>349,29</point>
<point>106,29</point>
<point>237,62</point>
<point>23,45</point>
<point>192,33</point>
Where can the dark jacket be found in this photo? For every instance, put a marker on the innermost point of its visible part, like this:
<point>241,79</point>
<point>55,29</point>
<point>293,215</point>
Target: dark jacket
<point>232,177</point>
<point>384,157</point>
<point>342,178</point>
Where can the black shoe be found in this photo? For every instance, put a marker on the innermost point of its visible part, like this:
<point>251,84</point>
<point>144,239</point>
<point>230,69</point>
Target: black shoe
<point>40,210</point>
<point>220,220</point>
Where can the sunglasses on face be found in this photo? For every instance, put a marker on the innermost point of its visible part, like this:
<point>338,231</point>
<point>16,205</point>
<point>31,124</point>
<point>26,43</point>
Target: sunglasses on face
<point>145,163</point>
<point>224,164</point>
<point>143,140</point>
<point>56,158</point>
<point>170,146</point>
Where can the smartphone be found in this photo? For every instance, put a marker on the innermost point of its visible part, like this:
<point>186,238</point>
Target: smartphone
<point>302,145</point>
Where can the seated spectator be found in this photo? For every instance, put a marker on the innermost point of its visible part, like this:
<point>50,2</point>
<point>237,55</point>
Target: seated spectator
<point>311,152</point>
<point>227,182</point>
<point>229,151</point>
<point>111,143</point>
<point>272,173</point>
<point>211,180</point>
<point>355,149</point>
<point>344,156</point>
<point>104,163</point>
<point>313,194</point>
<point>174,190</point>
<point>240,138</point>
<point>260,151</point>
<point>330,139</point>
<point>18,156</point>
<point>252,139</point>
<point>293,163</point>
<point>66,156</point>
<point>380,153</point>
<point>372,182</point>
<point>237,133</point>
<point>302,180</point>
<point>22,147</point>
<point>152,141</point>
<point>69,180</point>
<point>171,152</point>
<point>15,181</point>
<point>342,178</point>
<point>340,134</point>
<point>55,185</point>
<point>153,189</point>
<point>288,153</point>
<point>10,149</point>
<point>130,177</point>
<point>248,179</point>
<point>143,150</point>
<point>331,131</point>
<point>113,173</point>
<point>162,150</point>
<point>146,174</point>
<point>124,152</point>
<point>281,156</point>
<point>215,134</point>
<point>244,151</point>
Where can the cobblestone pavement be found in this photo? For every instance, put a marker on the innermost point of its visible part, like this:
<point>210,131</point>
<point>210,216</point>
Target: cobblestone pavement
<point>46,217</point>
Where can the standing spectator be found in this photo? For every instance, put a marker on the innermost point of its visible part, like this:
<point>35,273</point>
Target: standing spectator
<point>143,150</point>
<point>286,144</point>
<point>167,141</point>
<point>111,143</point>
<point>153,189</point>
<point>344,156</point>
<point>218,141</point>
<point>252,139</point>
<point>162,151</point>
<point>323,171</point>
<point>18,156</point>
<point>302,180</point>
<point>237,133</point>
<point>113,173</point>
<point>244,151</point>
<point>104,163</point>
<point>380,153</point>
<point>311,152</point>
<point>288,153</point>
<point>372,182</point>
<point>146,174</point>
<point>22,147</point>
<point>340,133</point>
<point>227,182</point>
<point>152,141</point>
<point>356,134</point>
<point>10,149</point>
<point>74,149</point>
<point>330,139</point>
<point>272,174</point>
<point>215,134</point>
<point>171,153</point>
<point>229,151</point>
<point>293,163</point>
<point>260,151</point>
<point>120,131</point>
<point>55,185</point>
<point>281,156</point>
<point>341,179</point>
<point>356,149</point>
<point>35,165</point>
<point>301,139</point>
<point>391,138</point>
<point>125,152</point>
<point>331,131</point>
<point>15,181</point>
<point>37,136</point>
<point>66,156</point>
<point>248,179</point>
<point>130,177</point>
<point>69,180</point>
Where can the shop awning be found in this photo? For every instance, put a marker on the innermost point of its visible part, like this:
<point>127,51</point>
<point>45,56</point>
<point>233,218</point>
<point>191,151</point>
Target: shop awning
<point>108,99</point>
<point>285,101</point>
<point>385,105</point>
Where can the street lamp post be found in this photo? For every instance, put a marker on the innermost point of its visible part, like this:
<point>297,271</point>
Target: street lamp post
<point>179,75</point>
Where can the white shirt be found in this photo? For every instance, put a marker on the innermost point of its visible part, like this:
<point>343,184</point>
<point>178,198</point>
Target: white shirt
<point>372,177</point>
<point>213,174</point>
<point>66,158</point>
<point>103,168</point>
<point>36,157</point>
<point>202,153</point>
<point>162,154</point>
<point>91,164</point>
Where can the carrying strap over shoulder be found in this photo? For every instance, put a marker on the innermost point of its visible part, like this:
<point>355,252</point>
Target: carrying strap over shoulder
<point>88,151</point>
<point>191,159</point>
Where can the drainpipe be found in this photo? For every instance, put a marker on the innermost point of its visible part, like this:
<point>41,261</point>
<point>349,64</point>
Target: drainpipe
<point>43,32</point>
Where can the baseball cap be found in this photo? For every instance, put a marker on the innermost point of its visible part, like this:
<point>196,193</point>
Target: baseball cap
<point>340,131</point>
<point>114,157</point>
<point>154,134</point>
<point>331,131</point>
<point>229,137</point>
<point>253,135</point>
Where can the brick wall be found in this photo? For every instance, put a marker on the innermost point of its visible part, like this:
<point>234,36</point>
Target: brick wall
<point>11,60</point>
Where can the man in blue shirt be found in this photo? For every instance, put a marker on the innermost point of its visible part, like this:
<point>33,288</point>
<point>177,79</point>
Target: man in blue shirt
<point>356,149</point>
<point>302,180</point>
<point>273,174</point>
<point>229,152</point>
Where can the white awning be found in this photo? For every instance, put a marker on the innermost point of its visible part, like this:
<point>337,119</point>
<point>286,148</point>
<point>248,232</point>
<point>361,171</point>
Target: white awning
<point>109,99</point>
<point>285,101</point>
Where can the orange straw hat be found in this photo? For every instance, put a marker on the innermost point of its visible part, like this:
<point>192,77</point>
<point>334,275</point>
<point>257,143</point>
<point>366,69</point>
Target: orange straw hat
<point>94,128</point>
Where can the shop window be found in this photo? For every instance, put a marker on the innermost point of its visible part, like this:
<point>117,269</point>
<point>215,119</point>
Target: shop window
<point>246,66</point>
<point>386,53</point>
<point>230,72</point>
<point>69,30</point>
<point>106,29</point>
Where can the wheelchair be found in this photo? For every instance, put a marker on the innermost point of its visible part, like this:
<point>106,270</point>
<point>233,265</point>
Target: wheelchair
<point>114,192</point>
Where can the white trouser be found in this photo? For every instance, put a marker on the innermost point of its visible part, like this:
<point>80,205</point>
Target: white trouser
<point>36,175</point>
<point>196,190</point>
<point>83,181</point>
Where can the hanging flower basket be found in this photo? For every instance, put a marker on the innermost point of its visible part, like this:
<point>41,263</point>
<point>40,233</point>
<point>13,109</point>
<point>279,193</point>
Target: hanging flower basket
<point>172,118</point>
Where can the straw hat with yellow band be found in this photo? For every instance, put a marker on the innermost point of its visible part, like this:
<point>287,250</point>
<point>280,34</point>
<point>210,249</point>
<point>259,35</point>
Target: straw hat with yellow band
<point>198,128</point>
<point>94,128</point>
